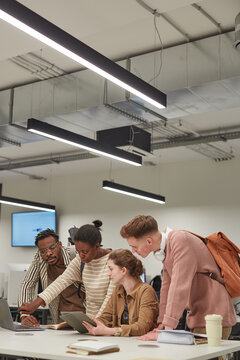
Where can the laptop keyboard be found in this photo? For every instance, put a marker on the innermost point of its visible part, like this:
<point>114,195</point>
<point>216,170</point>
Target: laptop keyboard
<point>23,327</point>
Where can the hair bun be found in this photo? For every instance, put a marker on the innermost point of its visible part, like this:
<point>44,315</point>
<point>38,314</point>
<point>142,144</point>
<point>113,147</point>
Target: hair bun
<point>97,223</point>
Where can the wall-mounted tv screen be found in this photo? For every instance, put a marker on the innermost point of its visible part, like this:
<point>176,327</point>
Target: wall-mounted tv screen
<point>26,225</point>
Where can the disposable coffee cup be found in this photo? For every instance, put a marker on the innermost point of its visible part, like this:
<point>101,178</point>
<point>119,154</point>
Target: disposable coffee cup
<point>214,329</point>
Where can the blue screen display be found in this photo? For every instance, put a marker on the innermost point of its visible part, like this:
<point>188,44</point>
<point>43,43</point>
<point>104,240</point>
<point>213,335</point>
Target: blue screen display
<point>143,276</point>
<point>26,226</point>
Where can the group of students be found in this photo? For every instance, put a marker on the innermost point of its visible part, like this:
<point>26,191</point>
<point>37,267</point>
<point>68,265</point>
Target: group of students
<point>110,286</point>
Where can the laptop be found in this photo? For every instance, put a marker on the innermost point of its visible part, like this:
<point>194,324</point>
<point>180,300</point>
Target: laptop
<point>7,322</point>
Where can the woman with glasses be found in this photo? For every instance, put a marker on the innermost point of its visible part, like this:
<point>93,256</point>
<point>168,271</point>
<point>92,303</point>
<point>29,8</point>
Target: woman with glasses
<point>132,309</point>
<point>94,275</point>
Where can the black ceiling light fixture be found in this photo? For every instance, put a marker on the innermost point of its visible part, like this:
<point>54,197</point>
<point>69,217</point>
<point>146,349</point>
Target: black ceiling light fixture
<point>26,203</point>
<point>38,27</point>
<point>127,190</point>
<point>68,137</point>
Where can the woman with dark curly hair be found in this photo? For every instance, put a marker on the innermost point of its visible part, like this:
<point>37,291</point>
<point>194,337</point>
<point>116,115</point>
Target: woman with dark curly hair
<point>132,309</point>
<point>94,276</point>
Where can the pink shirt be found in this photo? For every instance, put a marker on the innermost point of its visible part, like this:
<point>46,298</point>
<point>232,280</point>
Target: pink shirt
<point>183,287</point>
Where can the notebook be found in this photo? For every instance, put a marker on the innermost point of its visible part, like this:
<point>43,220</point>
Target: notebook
<point>7,322</point>
<point>178,337</point>
<point>91,347</point>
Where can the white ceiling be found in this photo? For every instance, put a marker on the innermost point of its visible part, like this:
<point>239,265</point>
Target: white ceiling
<point>119,29</point>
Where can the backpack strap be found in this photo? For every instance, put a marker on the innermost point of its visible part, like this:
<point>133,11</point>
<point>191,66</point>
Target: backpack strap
<point>82,266</point>
<point>213,276</point>
<point>80,285</point>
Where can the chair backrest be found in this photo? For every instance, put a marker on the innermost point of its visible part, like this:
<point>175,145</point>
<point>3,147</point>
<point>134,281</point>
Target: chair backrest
<point>156,283</point>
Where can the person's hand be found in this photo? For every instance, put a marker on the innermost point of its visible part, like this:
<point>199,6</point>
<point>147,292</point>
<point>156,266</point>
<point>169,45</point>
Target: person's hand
<point>29,308</point>
<point>29,320</point>
<point>100,329</point>
<point>151,335</point>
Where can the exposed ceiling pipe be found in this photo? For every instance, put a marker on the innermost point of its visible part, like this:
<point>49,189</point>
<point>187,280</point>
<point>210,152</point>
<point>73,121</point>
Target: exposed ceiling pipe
<point>175,142</point>
<point>218,154</point>
<point>45,64</point>
<point>208,16</point>
<point>18,61</point>
<point>34,68</point>
<point>226,31</point>
<point>166,18</point>
<point>212,152</point>
<point>30,176</point>
<point>44,160</point>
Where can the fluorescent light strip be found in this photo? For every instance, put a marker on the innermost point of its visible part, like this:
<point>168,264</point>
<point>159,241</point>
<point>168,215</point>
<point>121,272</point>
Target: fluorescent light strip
<point>45,133</point>
<point>107,185</point>
<point>83,147</point>
<point>27,204</point>
<point>133,195</point>
<point>76,58</point>
<point>55,45</point>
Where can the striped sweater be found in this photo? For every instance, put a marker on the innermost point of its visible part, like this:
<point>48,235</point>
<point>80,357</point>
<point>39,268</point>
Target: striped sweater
<point>38,271</point>
<point>95,279</point>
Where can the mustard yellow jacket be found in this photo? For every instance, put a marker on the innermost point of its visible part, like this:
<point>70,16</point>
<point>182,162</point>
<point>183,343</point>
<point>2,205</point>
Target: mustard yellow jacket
<point>142,308</point>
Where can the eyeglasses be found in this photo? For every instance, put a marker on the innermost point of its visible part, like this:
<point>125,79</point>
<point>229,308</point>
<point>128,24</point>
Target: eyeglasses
<point>50,248</point>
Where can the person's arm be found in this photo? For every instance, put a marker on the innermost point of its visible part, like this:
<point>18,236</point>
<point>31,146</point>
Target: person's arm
<point>28,287</point>
<point>107,315</point>
<point>184,268</point>
<point>104,324</point>
<point>107,297</point>
<point>163,295</point>
<point>148,313</point>
<point>29,308</point>
<point>152,335</point>
<point>70,275</point>
<point>100,329</point>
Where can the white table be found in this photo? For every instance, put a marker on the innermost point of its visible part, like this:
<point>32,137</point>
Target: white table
<point>52,344</point>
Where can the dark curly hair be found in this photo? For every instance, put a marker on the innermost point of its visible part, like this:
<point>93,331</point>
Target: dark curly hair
<point>44,234</point>
<point>90,233</point>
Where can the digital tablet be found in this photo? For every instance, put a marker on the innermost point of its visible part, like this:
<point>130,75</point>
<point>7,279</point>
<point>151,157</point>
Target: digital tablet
<point>75,319</point>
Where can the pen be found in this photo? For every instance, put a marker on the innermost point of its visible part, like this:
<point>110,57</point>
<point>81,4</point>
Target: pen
<point>15,311</point>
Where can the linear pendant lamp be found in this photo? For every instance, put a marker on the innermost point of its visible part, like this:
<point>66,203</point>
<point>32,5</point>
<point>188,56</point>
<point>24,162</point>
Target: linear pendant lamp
<point>33,24</point>
<point>127,190</point>
<point>25,203</point>
<point>56,133</point>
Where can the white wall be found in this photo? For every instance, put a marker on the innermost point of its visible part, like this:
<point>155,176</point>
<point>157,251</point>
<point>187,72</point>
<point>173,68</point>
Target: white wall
<point>202,196</point>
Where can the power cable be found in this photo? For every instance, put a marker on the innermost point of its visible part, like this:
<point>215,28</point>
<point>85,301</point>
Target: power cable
<point>160,51</point>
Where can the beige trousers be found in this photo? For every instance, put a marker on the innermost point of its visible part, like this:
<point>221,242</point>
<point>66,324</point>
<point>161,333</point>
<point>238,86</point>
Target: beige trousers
<point>226,331</point>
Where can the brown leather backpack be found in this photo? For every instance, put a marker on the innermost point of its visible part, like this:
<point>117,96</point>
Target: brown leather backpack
<point>226,255</point>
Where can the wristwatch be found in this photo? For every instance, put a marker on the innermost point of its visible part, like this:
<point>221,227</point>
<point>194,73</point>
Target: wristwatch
<point>117,332</point>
